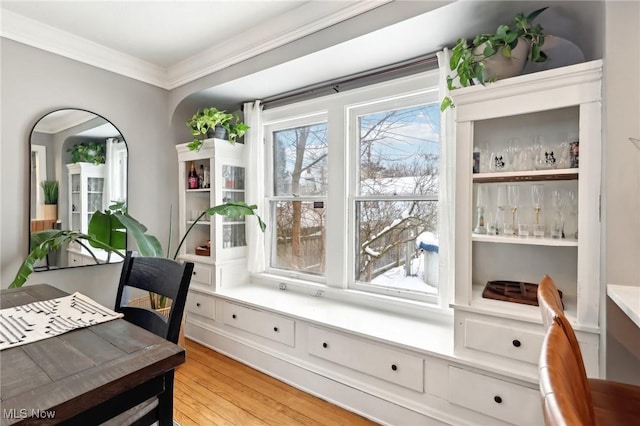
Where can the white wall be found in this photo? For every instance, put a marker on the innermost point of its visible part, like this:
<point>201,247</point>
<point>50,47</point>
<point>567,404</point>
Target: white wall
<point>35,82</point>
<point>621,201</point>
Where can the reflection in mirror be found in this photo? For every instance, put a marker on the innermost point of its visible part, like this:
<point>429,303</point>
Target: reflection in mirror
<point>86,156</point>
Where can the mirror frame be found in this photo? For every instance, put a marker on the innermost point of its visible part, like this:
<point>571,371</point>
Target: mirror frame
<point>63,202</point>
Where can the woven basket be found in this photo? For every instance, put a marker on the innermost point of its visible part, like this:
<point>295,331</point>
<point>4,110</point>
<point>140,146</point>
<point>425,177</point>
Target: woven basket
<point>144,302</point>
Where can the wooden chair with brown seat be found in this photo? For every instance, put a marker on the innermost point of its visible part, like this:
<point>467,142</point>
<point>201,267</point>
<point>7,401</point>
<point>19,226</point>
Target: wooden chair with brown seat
<point>608,402</point>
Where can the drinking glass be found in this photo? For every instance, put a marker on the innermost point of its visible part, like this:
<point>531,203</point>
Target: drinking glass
<point>537,197</point>
<point>481,204</point>
<point>501,205</point>
<point>513,198</point>
<point>497,162</point>
<point>572,207</point>
<point>523,223</point>
<point>558,219</point>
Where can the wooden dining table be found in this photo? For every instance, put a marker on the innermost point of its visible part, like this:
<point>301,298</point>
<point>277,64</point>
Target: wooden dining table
<point>85,376</point>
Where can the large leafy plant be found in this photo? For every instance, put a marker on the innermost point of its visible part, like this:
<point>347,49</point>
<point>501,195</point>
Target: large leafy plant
<point>467,57</point>
<point>107,232</point>
<point>204,122</point>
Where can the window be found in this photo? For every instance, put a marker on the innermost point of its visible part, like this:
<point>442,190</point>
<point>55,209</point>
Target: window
<point>353,189</point>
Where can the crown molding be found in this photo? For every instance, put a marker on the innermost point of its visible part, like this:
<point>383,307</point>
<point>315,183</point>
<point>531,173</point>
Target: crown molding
<point>34,33</point>
<point>63,119</point>
<point>290,26</point>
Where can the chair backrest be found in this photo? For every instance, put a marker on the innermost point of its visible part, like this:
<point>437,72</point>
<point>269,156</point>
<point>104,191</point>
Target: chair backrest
<point>164,277</point>
<point>564,400</point>
<point>549,301</point>
<point>552,313</point>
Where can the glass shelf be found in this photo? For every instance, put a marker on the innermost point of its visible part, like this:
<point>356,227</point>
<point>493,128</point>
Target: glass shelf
<point>527,176</point>
<point>532,241</point>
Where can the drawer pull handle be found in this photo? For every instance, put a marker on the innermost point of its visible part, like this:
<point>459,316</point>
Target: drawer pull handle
<point>325,345</point>
<point>516,343</point>
<point>198,304</point>
<point>233,316</point>
<point>497,399</point>
<point>275,329</point>
<point>394,367</point>
<point>193,273</point>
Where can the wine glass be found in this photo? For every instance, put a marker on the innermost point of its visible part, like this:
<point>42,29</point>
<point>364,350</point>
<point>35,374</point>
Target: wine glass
<point>501,204</point>
<point>572,198</point>
<point>481,204</point>
<point>513,197</point>
<point>537,196</point>
<point>557,225</point>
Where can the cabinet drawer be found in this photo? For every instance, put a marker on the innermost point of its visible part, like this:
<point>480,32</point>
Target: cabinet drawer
<point>507,340</point>
<point>387,364</point>
<point>503,400</point>
<point>201,304</point>
<point>201,275</point>
<point>268,325</point>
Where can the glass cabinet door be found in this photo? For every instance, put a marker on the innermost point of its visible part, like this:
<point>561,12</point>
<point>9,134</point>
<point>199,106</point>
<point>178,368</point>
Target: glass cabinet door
<point>233,184</point>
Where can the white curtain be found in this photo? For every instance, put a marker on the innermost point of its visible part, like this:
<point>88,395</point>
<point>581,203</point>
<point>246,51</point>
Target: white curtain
<point>115,177</point>
<point>254,159</point>
<point>447,186</point>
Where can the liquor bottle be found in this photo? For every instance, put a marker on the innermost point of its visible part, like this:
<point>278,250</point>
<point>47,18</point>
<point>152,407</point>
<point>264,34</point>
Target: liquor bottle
<point>193,177</point>
<point>201,177</point>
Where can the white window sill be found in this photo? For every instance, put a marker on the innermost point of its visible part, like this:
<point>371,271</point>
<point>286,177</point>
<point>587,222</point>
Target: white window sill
<point>432,335</point>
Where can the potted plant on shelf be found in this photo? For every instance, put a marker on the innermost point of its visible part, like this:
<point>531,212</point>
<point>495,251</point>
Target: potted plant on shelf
<point>212,122</point>
<point>490,57</point>
<point>50,188</point>
<point>88,152</point>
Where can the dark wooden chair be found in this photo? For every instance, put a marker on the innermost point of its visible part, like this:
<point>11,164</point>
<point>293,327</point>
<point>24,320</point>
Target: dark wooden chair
<point>563,377</point>
<point>163,277</point>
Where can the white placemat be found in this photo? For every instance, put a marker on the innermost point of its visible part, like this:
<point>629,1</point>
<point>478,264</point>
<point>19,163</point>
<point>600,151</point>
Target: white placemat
<point>40,320</point>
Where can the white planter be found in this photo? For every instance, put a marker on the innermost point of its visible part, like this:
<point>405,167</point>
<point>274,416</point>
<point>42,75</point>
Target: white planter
<point>499,67</point>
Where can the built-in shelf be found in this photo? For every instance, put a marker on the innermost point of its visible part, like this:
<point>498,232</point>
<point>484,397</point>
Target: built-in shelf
<point>527,176</point>
<point>532,241</point>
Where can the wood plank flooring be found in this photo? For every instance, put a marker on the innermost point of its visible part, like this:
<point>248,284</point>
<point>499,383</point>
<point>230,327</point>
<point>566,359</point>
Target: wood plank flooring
<point>212,389</point>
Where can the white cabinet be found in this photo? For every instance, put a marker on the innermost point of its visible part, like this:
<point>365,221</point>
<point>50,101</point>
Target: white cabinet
<point>86,195</point>
<point>86,187</point>
<point>217,245</point>
<point>525,131</point>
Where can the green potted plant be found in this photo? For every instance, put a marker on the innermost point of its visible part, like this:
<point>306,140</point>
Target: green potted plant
<point>50,189</point>
<point>489,57</point>
<point>212,122</point>
<point>88,152</point>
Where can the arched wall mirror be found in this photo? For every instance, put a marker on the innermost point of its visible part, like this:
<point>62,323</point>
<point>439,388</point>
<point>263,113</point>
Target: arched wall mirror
<point>86,156</point>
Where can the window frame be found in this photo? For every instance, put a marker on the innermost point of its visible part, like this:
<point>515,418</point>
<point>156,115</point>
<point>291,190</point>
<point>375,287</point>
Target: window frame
<point>339,279</point>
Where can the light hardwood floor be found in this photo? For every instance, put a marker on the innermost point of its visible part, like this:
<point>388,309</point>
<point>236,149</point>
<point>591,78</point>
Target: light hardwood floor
<point>212,389</point>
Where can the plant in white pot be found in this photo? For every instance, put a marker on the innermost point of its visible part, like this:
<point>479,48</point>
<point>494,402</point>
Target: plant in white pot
<point>490,57</point>
<point>50,189</point>
<point>212,122</point>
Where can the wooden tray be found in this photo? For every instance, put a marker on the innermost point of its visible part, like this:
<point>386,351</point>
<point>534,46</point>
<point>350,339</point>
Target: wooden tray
<point>513,291</point>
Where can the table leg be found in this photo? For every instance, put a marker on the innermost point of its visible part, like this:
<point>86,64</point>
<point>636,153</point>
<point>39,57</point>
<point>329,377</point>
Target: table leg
<point>165,401</point>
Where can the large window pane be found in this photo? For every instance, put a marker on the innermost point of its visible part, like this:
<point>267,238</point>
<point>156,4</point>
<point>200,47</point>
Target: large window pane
<point>300,160</point>
<point>300,236</point>
<point>397,245</point>
<point>400,151</point>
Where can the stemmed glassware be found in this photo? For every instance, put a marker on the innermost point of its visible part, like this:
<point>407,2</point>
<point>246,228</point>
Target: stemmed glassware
<point>481,204</point>
<point>501,204</point>
<point>573,214</point>
<point>557,225</point>
<point>537,197</point>
<point>513,198</point>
